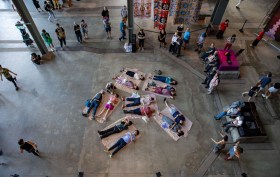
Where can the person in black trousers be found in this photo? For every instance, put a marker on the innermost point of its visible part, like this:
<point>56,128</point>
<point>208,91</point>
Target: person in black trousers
<point>123,125</point>
<point>29,146</point>
<point>6,72</point>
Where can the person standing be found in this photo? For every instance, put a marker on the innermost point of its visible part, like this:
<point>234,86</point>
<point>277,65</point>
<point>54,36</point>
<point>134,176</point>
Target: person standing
<point>28,146</point>
<point>187,37</point>
<point>122,29</point>
<point>107,26</point>
<point>200,42</point>
<point>222,28</point>
<point>123,141</point>
<point>124,13</point>
<point>105,12</point>
<point>179,44</point>
<point>236,150</point>
<point>161,38</point>
<point>263,82</point>
<point>37,5</point>
<point>141,38</point>
<point>230,41</point>
<point>47,38</point>
<point>60,35</point>
<point>48,8</point>
<point>6,72</point>
<point>238,4</point>
<point>172,47</point>
<point>84,28</point>
<point>180,30</point>
<point>258,39</point>
<point>20,26</point>
<point>77,30</point>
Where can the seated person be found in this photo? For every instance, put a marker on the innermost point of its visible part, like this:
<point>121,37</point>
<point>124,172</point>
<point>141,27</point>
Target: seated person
<point>93,103</point>
<point>211,57</point>
<point>138,101</point>
<point>214,63</point>
<point>178,117</point>
<point>125,82</point>
<point>123,125</point>
<point>110,87</point>
<point>237,122</point>
<point>36,59</point>
<point>126,139</point>
<point>209,52</point>
<point>109,106</point>
<point>142,111</point>
<point>165,79</point>
<point>172,125</point>
<point>232,110</point>
<point>133,74</point>
<point>166,90</point>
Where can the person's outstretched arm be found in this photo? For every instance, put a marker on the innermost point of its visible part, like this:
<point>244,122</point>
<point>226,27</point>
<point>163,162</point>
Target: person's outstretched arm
<point>12,72</point>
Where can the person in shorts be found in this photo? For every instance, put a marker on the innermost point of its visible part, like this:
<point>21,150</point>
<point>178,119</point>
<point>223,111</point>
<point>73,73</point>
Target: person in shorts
<point>107,26</point>
<point>274,89</point>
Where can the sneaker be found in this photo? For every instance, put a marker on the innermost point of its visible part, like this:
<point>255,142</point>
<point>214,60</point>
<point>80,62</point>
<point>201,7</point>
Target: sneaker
<point>110,156</point>
<point>263,95</point>
<point>17,88</point>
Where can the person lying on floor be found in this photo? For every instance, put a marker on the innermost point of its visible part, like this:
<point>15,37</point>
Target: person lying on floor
<point>133,74</point>
<point>125,82</point>
<point>172,125</point>
<point>165,90</point>
<point>178,117</point>
<point>138,101</point>
<point>123,125</point>
<point>110,88</point>
<point>233,110</point>
<point>122,142</point>
<point>165,79</point>
<point>142,111</point>
<point>93,103</point>
<point>109,106</point>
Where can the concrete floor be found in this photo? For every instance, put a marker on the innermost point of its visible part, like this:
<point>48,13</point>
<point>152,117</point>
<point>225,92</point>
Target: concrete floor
<point>47,108</point>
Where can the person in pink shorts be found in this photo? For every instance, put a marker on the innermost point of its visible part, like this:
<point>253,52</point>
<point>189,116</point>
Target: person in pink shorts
<point>109,106</point>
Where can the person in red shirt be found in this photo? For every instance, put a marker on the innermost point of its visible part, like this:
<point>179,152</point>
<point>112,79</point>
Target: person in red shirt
<point>258,39</point>
<point>222,28</point>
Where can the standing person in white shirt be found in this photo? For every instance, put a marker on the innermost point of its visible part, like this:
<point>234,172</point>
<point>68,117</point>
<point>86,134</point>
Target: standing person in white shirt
<point>237,122</point>
<point>172,47</point>
<point>124,13</point>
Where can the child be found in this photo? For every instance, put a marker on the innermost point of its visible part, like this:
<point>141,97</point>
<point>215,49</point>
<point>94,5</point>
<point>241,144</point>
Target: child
<point>109,106</point>
<point>252,92</point>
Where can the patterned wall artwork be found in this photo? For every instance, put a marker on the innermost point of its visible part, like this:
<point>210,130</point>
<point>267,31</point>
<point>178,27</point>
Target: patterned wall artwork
<point>161,9</point>
<point>273,26</point>
<point>142,8</point>
<point>173,7</point>
<point>188,11</point>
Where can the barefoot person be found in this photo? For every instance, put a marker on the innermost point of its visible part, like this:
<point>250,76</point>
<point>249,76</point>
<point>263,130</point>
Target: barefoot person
<point>110,105</point>
<point>6,72</point>
<point>93,103</point>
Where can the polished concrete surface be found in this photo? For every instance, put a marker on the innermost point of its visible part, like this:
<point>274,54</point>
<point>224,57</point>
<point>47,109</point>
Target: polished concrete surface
<point>47,108</point>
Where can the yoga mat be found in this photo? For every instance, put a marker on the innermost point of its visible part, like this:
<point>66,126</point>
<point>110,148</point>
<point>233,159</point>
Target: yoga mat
<point>137,82</point>
<point>105,98</point>
<point>124,88</point>
<point>158,83</point>
<point>185,128</point>
<point>152,105</point>
<point>110,140</point>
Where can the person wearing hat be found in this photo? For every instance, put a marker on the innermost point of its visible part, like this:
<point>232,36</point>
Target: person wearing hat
<point>237,122</point>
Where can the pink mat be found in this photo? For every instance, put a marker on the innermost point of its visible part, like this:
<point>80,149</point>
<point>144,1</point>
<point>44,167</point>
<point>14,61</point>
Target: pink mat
<point>224,66</point>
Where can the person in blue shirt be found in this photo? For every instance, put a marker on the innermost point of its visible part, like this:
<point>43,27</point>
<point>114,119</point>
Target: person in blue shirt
<point>187,37</point>
<point>122,30</point>
<point>126,139</point>
<point>263,82</point>
<point>165,79</point>
<point>93,103</point>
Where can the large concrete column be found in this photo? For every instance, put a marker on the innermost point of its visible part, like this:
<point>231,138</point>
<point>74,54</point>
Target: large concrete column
<point>25,15</point>
<point>130,19</point>
<point>218,12</point>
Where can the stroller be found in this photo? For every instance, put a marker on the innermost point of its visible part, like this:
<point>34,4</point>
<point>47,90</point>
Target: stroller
<point>26,39</point>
